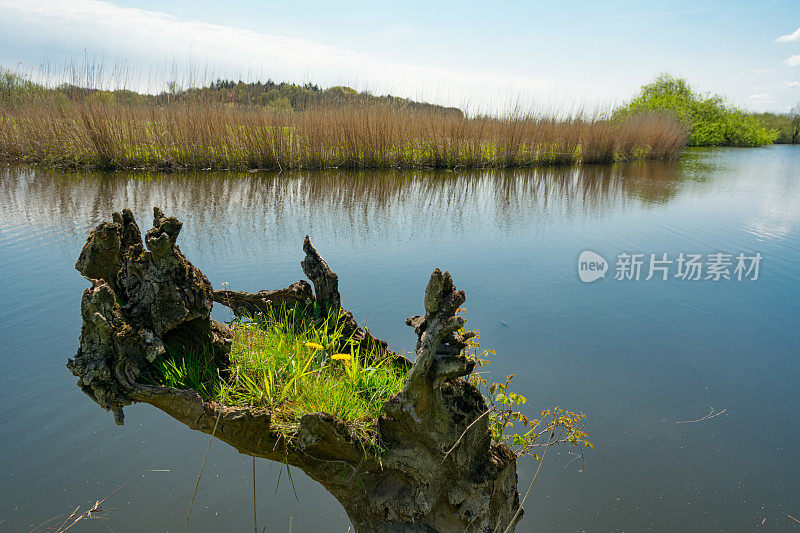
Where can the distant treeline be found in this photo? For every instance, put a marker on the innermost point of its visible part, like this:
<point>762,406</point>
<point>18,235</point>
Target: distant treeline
<point>271,95</point>
<point>787,125</point>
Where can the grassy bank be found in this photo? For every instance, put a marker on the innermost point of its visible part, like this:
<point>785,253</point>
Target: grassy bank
<point>80,129</point>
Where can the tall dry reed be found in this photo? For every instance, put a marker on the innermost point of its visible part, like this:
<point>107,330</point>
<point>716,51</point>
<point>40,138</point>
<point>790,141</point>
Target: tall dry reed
<point>52,129</point>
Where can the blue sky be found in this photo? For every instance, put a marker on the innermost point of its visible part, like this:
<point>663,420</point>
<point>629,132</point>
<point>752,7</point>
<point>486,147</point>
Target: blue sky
<point>483,55</point>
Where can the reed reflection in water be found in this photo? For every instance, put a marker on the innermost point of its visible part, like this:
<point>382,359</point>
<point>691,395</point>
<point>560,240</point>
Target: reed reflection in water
<point>265,208</point>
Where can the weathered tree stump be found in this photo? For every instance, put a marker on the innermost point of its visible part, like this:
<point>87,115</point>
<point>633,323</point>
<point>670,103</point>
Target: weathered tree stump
<point>437,470</point>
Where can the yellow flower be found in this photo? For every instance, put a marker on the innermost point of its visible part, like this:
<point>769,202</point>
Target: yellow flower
<point>314,345</point>
<point>346,357</point>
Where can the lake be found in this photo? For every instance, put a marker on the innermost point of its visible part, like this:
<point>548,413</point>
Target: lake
<point>646,360</point>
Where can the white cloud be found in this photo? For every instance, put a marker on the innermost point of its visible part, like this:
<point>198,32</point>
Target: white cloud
<point>761,98</point>
<point>793,61</point>
<point>793,84</point>
<point>155,38</point>
<point>789,38</point>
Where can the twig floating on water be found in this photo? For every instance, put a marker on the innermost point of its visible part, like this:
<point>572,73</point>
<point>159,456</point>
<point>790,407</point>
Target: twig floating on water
<point>711,414</point>
<point>74,518</point>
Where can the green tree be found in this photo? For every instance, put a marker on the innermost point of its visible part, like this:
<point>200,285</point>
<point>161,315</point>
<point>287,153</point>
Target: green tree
<point>712,121</point>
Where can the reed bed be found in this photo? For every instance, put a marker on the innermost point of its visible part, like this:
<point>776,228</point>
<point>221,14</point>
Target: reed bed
<point>91,132</point>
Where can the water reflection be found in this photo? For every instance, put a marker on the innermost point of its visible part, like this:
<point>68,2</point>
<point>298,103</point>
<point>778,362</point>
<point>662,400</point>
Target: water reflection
<point>349,205</point>
<point>636,356</point>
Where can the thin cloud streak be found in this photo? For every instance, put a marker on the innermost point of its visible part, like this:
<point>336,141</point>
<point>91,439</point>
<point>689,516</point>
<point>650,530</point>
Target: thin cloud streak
<point>762,98</point>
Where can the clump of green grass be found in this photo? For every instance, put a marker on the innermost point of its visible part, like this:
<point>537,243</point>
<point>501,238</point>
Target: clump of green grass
<point>186,368</point>
<point>292,364</point>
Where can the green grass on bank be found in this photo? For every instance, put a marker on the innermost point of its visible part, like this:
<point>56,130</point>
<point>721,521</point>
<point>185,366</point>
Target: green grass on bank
<point>292,365</point>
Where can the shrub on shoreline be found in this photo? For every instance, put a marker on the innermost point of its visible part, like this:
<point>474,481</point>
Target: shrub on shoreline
<point>711,120</point>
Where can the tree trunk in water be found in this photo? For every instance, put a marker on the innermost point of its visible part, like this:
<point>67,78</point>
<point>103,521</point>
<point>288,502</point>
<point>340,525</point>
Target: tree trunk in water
<point>438,469</point>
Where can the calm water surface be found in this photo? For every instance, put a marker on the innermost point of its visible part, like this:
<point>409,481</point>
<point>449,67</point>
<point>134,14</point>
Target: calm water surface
<point>636,356</point>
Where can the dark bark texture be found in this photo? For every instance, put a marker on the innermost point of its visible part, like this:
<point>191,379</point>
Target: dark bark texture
<point>437,470</point>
